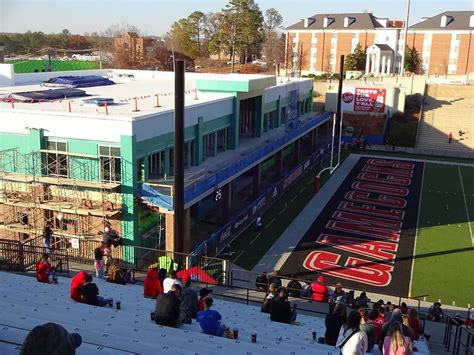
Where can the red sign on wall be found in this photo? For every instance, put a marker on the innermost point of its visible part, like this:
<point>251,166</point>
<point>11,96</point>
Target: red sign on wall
<point>369,100</point>
<point>363,99</point>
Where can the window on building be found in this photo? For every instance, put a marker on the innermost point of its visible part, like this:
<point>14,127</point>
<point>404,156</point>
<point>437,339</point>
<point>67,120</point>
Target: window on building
<point>110,164</point>
<point>315,35</point>
<point>171,172</point>
<point>402,35</point>
<point>333,35</point>
<point>156,165</point>
<point>354,36</point>
<point>57,163</point>
<point>314,45</point>
<point>222,139</point>
<point>189,153</point>
<point>453,61</point>
<point>458,37</point>
<point>283,115</point>
<point>455,49</point>
<point>209,145</point>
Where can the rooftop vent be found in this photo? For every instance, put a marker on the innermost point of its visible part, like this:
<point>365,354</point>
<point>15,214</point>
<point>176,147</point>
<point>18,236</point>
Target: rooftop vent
<point>308,21</point>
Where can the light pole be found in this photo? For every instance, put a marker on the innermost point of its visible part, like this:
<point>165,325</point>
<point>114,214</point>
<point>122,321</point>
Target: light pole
<point>402,65</point>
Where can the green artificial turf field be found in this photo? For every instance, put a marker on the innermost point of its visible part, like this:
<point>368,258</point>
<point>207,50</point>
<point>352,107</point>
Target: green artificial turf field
<point>444,256</point>
<point>29,66</point>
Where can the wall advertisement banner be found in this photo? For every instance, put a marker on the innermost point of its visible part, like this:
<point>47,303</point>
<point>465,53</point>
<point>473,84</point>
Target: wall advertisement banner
<point>363,99</point>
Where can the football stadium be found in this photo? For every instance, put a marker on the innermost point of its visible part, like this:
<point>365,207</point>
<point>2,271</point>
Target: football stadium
<point>150,212</point>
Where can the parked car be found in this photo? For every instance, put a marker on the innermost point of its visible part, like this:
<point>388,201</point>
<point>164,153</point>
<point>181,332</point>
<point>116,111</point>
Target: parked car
<point>259,62</point>
<point>235,62</point>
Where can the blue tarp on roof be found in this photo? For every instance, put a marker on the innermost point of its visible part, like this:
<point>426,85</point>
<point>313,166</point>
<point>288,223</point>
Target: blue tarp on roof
<point>43,95</point>
<point>78,81</point>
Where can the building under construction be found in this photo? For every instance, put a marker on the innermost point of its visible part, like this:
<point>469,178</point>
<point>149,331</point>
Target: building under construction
<point>98,149</point>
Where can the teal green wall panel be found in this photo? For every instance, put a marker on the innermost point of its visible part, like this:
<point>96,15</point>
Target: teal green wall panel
<point>129,187</point>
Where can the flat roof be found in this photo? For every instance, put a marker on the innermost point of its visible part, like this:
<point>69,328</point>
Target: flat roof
<point>131,84</point>
<point>123,93</point>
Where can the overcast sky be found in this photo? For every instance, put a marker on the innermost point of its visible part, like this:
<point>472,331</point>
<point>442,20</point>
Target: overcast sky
<point>154,17</point>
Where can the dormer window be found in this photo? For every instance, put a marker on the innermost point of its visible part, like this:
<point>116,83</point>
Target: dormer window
<point>446,20</point>
<point>328,21</point>
<point>348,21</point>
<point>308,21</point>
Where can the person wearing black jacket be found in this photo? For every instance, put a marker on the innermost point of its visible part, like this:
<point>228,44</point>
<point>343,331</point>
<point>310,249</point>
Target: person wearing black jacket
<point>261,282</point>
<point>280,309</point>
<point>168,307</point>
<point>275,278</point>
<point>267,301</point>
<point>294,288</point>
<point>334,322</point>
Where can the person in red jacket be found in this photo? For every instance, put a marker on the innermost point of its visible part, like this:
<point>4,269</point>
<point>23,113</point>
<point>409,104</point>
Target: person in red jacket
<point>44,271</point>
<point>152,285</point>
<point>76,283</point>
<point>319,290</point>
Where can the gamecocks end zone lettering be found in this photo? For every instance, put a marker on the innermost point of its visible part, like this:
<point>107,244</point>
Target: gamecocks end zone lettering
<point>354,269</point>
<point>381,200</point>
<point>389,179</point>
<point>380,188</point>
<point>376,249</point>
<point>371,210</point>
<point>391,164</point>
<point>369,220</point>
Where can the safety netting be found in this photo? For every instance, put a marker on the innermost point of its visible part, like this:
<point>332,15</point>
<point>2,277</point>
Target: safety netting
<point>78,81</point>
<point>43,95</point>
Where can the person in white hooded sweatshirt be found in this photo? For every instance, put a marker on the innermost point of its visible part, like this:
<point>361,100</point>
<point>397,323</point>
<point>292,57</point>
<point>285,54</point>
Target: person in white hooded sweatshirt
<point>351,340</point>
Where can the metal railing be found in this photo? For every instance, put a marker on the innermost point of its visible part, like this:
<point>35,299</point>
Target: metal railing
<point>23,257</point>
<point>459,335</point>
<point>140,259</point>
<point>250,277</point>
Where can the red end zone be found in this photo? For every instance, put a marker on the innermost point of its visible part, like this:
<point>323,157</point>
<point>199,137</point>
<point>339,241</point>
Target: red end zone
<point>364,237</point>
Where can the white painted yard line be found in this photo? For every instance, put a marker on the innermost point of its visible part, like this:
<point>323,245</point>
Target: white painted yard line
<point>416,231</point>
<point>465,205</point>
<point>269,223</point>
<point>282,210</point>
<point>254,239</point>
<point>238,256</point>
<point>294,198</point>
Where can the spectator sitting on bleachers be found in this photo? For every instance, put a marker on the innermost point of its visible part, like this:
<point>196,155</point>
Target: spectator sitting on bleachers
<point>362,300</point>
<point>45,272</point>
<point>203,293</point>
<point>456,320</point>
<point>50,339</point>
<point>334,322</point>
<point>396,317</point>
<point>351,340</point>
<point>404,308</point>
<point>189,302</point>
<point>116,275</point>
<point>294,288</point>
<point>99,260</point>
<point>151,285</point>
<point>414,323</point>
<point>210,320</point>
<point>435,312</point>
<point>367,328</point>
<point>90,293</point>
<point>280,309</point>
<point>376,320</point>
<point>162,275</point>
<point>261,282</point>
<point>306,293</point>
<point>170,281</point>
<point>167,307</point>
<point>338,296</point>
<point>267,301</point>
<point>396,343</point>
<point>76,283</point>
<point>319,290</point>
<point>275,278</point>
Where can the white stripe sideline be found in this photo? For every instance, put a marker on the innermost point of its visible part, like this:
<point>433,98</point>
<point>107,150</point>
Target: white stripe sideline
<point>465,205</point>
<point>416,231</point>
<point>441,162</point>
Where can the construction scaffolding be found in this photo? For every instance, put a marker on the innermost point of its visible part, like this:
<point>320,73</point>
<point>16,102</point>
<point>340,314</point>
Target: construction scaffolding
<point>76,193</point>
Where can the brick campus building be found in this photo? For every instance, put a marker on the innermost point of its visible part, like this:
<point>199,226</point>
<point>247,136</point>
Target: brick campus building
<point>444,42</point>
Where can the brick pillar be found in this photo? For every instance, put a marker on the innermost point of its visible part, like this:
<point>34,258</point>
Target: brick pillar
<point>175,243</point>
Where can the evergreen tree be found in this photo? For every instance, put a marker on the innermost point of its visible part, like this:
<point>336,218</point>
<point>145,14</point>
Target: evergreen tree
<point>412,60</point>
<point>355,60</point>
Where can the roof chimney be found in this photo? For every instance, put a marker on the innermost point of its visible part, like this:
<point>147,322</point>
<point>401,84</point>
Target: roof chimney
<point>2,57</point>
<point>348,21</point>
<point>308,21</point>
<point>328,21</point>
<point>446,20</point>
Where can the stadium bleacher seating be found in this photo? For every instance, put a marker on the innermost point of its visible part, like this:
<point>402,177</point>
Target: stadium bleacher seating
<point>447,108</point>
<point>26,303</point>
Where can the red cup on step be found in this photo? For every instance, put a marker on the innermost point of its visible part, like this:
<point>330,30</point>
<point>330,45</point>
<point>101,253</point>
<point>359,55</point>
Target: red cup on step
<point>253,337</point>
<point>117,305</point>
